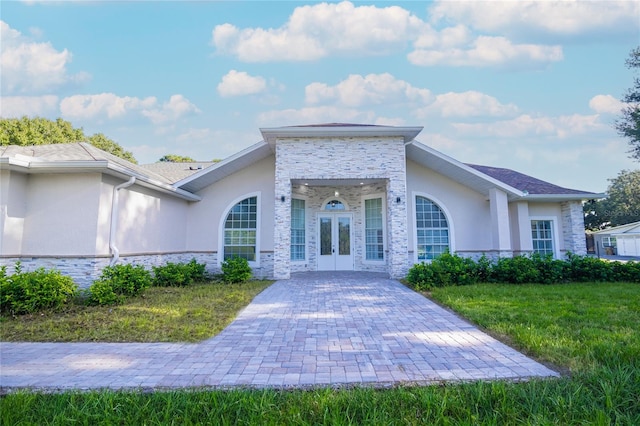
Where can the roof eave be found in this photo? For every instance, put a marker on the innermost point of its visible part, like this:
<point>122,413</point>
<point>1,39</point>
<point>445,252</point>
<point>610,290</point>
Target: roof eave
<point>93,166</point>
<point>448,164</point>
<point>563,197</point>
<point>224,168</point>
<point>270,134</point>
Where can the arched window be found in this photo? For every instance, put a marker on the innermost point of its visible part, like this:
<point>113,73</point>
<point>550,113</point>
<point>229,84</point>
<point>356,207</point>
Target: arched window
<point>240,230</point>
<point>432,230</point>
<point>334,205</point>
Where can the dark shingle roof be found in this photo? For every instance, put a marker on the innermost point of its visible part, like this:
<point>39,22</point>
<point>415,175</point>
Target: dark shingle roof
<point>524,182</point>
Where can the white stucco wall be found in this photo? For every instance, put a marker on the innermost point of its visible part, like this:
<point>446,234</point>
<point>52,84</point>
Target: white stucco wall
<point>13,208</point>
<point>149,222</point>
<point>204,217</point>
<point>469,213</point>
<point>61,214</point>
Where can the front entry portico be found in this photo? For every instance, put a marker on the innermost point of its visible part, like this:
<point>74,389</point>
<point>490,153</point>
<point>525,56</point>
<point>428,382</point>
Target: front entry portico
<point>335,236</point>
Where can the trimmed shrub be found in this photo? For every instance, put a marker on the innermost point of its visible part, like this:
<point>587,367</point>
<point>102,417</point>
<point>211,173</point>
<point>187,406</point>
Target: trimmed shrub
<point>178,274</point>
<point>449,269</point>
<point>445,270</point>
<point>628,271</point>
<point>515,270</point>
<point>117,283</point>
<point>550,270</point>
<point>420,276</point>
<point>236,270</point>
<point>584,268</point>
<point>29,292</point>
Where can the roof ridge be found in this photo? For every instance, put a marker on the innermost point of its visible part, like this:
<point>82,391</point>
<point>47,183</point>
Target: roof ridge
<point>84,147</point>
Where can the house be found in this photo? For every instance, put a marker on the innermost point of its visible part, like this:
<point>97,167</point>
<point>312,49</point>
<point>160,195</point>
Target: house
<point>305,198</point>
<point>623,240</point>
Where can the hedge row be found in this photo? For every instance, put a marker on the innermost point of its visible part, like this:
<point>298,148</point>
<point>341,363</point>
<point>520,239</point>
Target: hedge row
<point>29,292</point>
<point>452,269</point>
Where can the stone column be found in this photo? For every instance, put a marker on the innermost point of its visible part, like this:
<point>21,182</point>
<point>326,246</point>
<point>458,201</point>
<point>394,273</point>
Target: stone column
<point>573,227</point>
<point>282,219</point>
<point>397,235</point>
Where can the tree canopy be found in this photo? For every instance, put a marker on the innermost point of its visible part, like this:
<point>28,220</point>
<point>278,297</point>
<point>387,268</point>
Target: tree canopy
<point>621,206</point>
<point>172,158</point>
<point>628,126</point>
<point>27,131</point>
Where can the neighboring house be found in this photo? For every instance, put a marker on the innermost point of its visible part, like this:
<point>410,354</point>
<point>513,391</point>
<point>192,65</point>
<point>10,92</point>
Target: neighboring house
<point>306,198</point>
<point>623,240</point>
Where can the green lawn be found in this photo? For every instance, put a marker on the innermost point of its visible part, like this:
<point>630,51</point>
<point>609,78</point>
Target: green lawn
<point>577,326</point>
<point>161,314</point>
<point>589,329</point>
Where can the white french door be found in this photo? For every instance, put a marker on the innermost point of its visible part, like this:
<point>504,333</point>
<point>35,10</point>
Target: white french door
<point>335,248</point>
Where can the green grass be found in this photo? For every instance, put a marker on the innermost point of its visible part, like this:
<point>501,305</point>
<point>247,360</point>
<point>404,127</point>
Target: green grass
<point>578,326</point>
<point>587,328</point>
<point>161,314</point>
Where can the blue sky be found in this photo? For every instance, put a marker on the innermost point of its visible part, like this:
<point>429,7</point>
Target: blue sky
<point>528,85</point>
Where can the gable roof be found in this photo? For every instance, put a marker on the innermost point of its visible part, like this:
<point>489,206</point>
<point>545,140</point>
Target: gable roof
<point>628,229</point>
<point>483,178</point>
<point>81,157</point>
<point>526,184</point>
<point>182,180</point>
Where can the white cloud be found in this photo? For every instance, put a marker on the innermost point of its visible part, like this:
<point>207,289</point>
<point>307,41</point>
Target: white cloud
<point>313,32</point>
<point>18,106</point>
<point>528,126</point>
<point>530,17</point>
<point>239,83</point>
<point>314,115</point>
<point>30,67</point>
<point>373,89</point>
<point>177,107</point>
<point>606,104</point>
<point>488,51</point>
<point>467,104</point>
<point>111,106</point>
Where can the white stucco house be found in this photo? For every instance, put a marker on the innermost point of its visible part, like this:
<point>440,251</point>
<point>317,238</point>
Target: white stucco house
<point>305,198</point>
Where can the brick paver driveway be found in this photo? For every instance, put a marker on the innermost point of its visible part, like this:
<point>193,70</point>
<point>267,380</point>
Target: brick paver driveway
<point>316,329</point>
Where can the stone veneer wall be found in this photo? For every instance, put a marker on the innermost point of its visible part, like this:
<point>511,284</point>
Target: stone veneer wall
<point>84,270</point>
<point>573,233</point>
<point>342,159</point>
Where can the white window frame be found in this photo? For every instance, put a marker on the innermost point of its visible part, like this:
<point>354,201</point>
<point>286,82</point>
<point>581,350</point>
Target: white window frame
<point>306,230</point>
<point>384,229</point>
<point>554,233</point>
<point>612,242</point>
<point>447,215</point>
<point>223,219</point>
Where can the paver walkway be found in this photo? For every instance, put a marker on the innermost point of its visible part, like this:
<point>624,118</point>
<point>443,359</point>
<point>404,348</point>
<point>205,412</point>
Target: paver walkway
<point>313,330</point>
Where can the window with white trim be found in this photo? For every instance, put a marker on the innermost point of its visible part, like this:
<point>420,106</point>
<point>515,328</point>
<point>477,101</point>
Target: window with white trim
<point>240,230</point>
<point>609,242</point>
<point>298,229</point>
<point>432,229</point>
<point>542,236</point>
<point>374,241</point>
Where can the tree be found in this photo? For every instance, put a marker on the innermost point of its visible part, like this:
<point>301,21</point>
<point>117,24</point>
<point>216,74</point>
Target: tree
<point>27,131</point>
<point>629,125</point>
<point>172,158</point>
<point>621,206</point>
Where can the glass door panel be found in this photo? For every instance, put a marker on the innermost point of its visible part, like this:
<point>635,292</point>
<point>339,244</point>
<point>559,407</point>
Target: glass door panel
<point>334,242</point>
<point>325,236</point>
